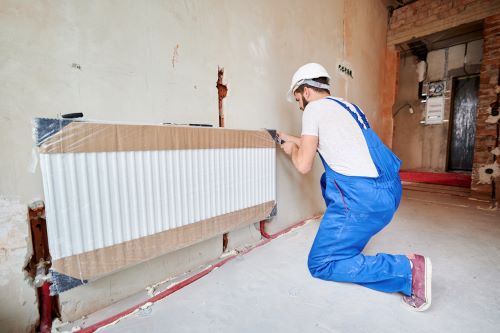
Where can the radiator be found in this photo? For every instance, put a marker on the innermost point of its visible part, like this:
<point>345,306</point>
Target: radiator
<point>117,195</point>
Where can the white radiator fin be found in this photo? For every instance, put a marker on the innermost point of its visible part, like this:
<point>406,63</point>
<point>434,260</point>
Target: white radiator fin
<point>96,200</point>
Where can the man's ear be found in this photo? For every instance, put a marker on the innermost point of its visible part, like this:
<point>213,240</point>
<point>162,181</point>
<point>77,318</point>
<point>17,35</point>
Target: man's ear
<point>306,93</point>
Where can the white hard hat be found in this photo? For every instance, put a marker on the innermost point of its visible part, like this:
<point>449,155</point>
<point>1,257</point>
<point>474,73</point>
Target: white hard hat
<point>304,75</point>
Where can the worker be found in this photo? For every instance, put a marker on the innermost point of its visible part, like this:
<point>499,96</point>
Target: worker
<point>361,188</point>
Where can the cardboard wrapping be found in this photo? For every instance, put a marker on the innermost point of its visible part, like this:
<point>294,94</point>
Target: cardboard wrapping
<point>94,264</point>
<point>85,137</point>
<point>88,184</point>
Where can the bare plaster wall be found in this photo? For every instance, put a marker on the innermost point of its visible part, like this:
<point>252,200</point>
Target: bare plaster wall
<point>365,49</point>
<point>424,147</point>
<point>156,61</point>
<point>18,298</point>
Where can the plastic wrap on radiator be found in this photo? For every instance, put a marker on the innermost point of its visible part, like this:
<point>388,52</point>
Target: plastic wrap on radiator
<point>119,194</point>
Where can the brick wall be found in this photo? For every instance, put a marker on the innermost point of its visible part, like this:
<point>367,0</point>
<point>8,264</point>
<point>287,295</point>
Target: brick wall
<point>425,17</point>
<point>486,133</point>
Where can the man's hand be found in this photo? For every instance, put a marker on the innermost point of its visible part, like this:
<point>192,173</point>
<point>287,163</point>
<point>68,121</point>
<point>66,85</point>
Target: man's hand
<point>288,138</point>
<point>288,147</point>
<point>302,154</point>
<point>283,136</point>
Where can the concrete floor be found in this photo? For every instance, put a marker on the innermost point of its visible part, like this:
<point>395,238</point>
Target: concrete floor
<point>270,289</point>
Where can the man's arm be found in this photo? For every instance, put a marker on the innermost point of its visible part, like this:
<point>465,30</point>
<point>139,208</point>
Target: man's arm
<point>303,154</point>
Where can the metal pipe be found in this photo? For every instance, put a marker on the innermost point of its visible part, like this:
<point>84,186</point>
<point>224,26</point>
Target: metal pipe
<point>46,310</point>
<point>264,234</point>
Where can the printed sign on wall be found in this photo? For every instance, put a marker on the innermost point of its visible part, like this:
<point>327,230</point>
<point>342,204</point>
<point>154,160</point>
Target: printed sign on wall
<point>345,69</point>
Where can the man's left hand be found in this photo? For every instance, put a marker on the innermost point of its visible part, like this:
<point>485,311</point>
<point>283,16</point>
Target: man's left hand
<point>288,147</point>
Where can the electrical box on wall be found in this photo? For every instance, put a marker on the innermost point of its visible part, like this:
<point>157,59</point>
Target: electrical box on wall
<point>434,110</point>
<point>434,103</point>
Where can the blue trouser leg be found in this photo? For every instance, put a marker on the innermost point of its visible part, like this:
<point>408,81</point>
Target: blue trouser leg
<point>336,251</point>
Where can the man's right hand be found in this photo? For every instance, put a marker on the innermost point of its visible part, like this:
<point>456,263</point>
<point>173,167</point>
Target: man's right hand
<point>282,136</point>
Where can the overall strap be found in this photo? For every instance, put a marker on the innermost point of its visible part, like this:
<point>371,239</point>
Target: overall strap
<point>362,115</point>
<point>363,125</point>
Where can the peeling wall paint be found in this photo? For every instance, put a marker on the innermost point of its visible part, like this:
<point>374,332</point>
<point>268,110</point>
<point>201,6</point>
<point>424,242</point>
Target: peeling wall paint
<point>13,233</point>
<point>18,307</point>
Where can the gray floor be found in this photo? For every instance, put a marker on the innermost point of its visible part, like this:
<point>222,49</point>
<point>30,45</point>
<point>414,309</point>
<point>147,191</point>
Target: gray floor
<point>270,289</point>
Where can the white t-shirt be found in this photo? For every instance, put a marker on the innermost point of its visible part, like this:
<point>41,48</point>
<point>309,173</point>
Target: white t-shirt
<point>341,141</point>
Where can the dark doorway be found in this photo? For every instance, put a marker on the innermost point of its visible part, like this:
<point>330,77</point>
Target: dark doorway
<point>463,126</point>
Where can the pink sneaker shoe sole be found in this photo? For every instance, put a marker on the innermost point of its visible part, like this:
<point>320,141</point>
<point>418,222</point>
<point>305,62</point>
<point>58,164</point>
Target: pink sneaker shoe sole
<point>428,288</point>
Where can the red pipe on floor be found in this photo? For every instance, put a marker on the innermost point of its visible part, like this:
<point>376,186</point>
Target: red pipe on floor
<point>264,234</point>
<point>182,284</point>
<point>46,313</point>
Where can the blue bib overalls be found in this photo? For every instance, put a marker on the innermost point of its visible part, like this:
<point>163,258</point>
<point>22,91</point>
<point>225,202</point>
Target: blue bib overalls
<point>356,209</point>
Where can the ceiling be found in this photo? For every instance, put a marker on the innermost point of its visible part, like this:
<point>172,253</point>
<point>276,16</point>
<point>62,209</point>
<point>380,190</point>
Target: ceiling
<point>440,40</point>
<point>392,5</point>
<point>443,39</point>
